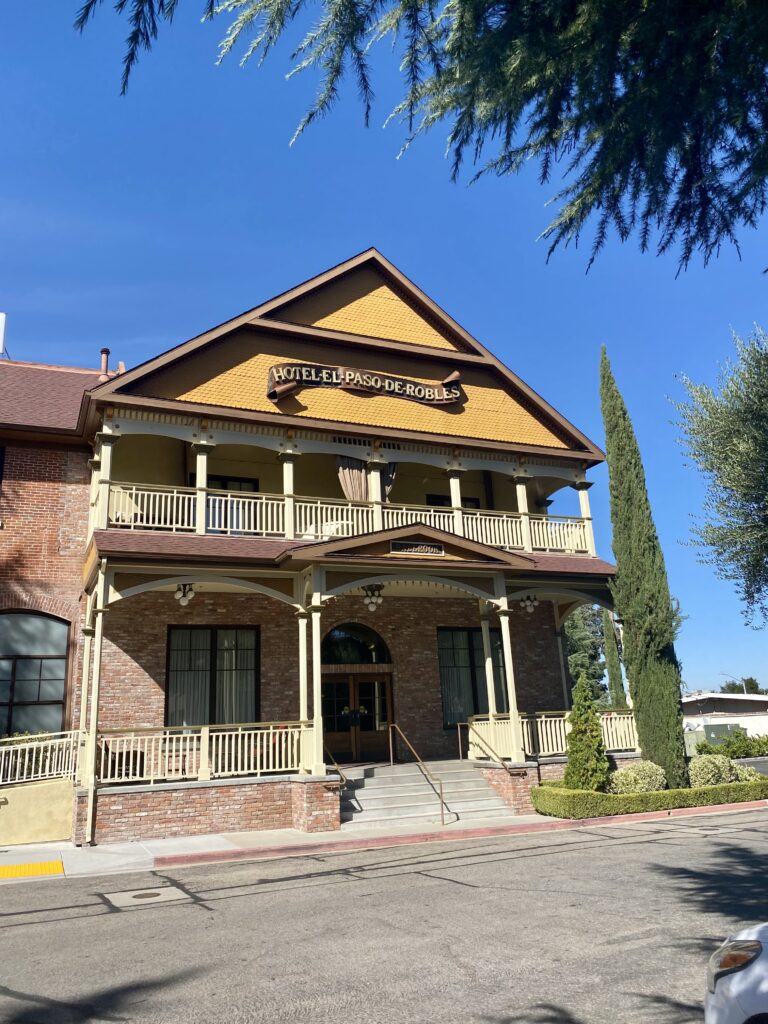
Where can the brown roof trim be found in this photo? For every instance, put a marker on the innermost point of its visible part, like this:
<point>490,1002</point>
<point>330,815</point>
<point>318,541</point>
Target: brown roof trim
<point>344,547</point>
<point>562,426</point>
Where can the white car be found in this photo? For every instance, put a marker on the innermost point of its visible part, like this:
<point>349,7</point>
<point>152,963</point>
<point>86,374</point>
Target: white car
<point>737,979</point>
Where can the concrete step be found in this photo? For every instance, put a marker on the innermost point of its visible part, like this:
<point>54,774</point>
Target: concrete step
<point>391,795</point>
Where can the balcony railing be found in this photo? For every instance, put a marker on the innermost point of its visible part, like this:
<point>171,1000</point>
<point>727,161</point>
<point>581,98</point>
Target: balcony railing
<point>176,510</point>
<point>37,758</point>
<point>545,734</point>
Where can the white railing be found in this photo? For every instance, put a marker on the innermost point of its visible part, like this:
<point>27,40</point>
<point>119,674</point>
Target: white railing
<point>559,533</point>
<point>545,734</point>
<point>34,758</point>
<point>234,512</point>
<point>323,518</point>
<point>152,508</point>
<point>199,752</point>
<point>404,515</point>
<point>499,529</point>
<point>145,507</point>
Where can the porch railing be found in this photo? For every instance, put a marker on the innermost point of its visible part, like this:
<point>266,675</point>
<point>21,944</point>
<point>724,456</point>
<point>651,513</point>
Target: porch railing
<point>201,752</point>
<point>35,758</point>
<point>175,509</point>
<point>544,734</point>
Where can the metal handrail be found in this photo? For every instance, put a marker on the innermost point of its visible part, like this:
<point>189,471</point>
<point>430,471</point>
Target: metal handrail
<point>344,778</point>
<point>436,783</point>
<point>494,755</point>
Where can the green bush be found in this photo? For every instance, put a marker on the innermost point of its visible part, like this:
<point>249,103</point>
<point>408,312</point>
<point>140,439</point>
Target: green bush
<point>588,766</point>
<point>740,745</point>
<point>710,770</point>
<point>559,802</point>
<point>745,773</point>
<point>641,777</point>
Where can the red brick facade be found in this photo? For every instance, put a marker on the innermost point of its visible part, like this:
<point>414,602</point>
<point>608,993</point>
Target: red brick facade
<point>44,515</point>
<point>135,652</point>
<point>202,809</point>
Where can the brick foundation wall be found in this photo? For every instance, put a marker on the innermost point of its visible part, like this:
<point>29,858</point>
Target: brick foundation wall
<point>123,816</point>
<point>135,651</point>
<point>44,514</point>
<point>514,787</point>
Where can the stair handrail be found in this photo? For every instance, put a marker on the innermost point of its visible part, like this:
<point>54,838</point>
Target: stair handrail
<point>494,755</point>
<point>437,784</point>
<point>341,774</point>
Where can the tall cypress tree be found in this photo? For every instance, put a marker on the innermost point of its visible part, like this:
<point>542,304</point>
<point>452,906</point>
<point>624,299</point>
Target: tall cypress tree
<point>612,664</point>
<point>641,593</point>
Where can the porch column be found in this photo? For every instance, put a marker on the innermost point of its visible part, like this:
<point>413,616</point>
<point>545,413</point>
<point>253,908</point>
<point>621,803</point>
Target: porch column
<point>516,733</point>
<point>89,773</point>
<point>201,486</point>
<point>318,758</point>
<point>485,629</point>
<point>288,460</point>
<point>521,487</point>
<point>88,632</point>
<point>583,488</point>
<point>454,482</point>
<point>307,756</point>
<point>374,494</point>
<point>106,442</point>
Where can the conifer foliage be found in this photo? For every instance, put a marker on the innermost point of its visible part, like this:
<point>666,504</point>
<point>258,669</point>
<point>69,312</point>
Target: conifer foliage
<point>616,694</point>
<point>588,766</point>
<point>641,593</point>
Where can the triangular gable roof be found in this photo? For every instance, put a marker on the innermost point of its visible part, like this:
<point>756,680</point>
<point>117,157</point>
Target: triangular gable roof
<point>362,547</point>
<point>463,348</point>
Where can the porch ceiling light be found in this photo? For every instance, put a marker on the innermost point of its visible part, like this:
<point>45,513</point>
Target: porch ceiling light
<point>184,594</point>
<point>372,596</point>
<point>529,602</point>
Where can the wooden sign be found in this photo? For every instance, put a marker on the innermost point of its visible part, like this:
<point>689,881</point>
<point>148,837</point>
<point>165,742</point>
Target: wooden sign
<point>286,378</point>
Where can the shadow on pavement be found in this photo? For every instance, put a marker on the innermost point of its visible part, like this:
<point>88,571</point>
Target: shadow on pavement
<point>732,884</point>
<point>664,1011</point>
<point>107,1004</point>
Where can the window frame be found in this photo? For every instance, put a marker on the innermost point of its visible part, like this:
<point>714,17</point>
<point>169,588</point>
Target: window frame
<point>213,630</point>
<point>14,658</point>
<point>477,678</point>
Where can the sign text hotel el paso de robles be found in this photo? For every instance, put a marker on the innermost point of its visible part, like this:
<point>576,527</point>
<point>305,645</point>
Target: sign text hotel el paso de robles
<point>285,378</point>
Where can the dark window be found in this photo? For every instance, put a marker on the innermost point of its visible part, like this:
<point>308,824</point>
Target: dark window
<point>232,483</point>
<point>444,501</point>
<point>33,672</point>
<point>354,644</point>
<point>213,675</point>
<point>462,673</point>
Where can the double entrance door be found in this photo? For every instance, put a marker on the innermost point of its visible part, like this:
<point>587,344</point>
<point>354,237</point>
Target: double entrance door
<point>357,711</point>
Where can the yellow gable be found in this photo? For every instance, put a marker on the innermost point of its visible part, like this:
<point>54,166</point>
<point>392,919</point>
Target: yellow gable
<point>233,374</point>
<point>363,302</point>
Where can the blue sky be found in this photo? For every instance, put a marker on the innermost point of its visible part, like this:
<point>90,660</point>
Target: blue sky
<point>138,221</point>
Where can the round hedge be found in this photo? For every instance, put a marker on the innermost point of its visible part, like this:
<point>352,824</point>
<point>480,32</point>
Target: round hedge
<point>641,777</point>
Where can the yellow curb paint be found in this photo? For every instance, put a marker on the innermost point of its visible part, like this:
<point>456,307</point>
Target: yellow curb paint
<point>43,867</point>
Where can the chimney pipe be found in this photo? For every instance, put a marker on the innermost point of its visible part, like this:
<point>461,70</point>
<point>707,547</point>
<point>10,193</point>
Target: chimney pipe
<point>104,375</point>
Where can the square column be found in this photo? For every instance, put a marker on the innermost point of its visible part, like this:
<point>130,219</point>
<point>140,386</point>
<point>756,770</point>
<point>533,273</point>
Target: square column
<point>374,494</point>
<point>516,748</point>
<point>586,514</point>
<point>485,629</point>
<point>318,757</point>
<point>454,482</point>
<point>106,443</point>
<point>201,485</point>
<point>521,488</point>
<point>288,460</point>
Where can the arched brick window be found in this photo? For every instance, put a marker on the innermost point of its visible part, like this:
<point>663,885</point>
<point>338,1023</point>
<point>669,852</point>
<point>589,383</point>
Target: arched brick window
<point>33,672</point>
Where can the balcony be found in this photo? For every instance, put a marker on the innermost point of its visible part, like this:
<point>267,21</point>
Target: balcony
<point>187,510</point>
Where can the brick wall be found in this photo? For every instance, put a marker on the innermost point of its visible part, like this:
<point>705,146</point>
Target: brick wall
<point>201,810</point>
<point>135,651</point>
<point>44,514</point>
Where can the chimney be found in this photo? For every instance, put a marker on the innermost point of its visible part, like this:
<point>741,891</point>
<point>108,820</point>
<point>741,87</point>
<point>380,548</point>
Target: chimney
<point>104,375</point>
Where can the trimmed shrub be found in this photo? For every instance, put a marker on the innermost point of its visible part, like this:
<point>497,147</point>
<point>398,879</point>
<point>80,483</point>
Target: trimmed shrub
<point>642,777</point>
<point>710,770</point>
<point>588,766</point>
<point>739,745</point>
<point>746,773</point>
<point>579,803</point>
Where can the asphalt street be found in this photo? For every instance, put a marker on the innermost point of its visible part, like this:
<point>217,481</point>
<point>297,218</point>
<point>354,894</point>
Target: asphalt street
<point>596,926</point>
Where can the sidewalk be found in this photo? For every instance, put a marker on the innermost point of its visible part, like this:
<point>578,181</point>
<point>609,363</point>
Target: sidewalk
<point>52,860</point>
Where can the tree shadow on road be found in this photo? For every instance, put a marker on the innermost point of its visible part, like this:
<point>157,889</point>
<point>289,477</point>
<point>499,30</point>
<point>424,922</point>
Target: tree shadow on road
<point>665,1010</point>
<point>732,884</point>
<point>106,1004</point>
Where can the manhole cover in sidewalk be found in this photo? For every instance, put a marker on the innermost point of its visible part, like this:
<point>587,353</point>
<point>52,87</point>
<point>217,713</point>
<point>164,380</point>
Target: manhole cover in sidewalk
<point>145,897</point>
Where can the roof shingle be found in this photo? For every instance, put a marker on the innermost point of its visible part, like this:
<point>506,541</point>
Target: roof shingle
<point>38,396</point>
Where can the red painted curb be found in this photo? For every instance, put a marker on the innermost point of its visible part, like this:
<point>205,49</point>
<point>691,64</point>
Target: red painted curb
<point>377,842</point>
